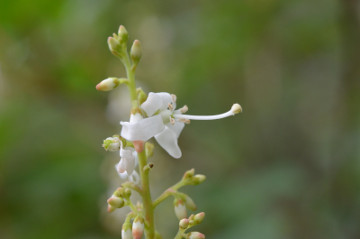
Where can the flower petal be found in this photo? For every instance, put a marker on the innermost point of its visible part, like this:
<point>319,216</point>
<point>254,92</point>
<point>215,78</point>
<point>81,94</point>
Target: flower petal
<point>168,139</point>
<point>143,129</point>
<point>155,102</point>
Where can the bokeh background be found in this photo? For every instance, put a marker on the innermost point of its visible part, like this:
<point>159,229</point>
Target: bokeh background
<point>288,167</point>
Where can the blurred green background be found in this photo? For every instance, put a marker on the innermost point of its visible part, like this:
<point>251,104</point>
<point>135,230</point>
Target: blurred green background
<point>288,167</point>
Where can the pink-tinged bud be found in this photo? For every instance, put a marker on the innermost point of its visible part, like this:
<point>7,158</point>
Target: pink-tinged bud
<point>184,223</point>
<point>138,228</point>
<point>198,218</point>
<point>110,208</point>
<point>180,209</point>
<point>108,84</point>
<point>123,34</point>
<point>138,145</point>
<point>126,234</point>
<point>114,44</point>
<point>196,235</point>
<point>135,51</point>
<point>115,202</point>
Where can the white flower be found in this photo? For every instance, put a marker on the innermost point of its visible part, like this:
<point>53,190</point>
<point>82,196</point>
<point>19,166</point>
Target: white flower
<point>127,164</point>
<point>164,122</point>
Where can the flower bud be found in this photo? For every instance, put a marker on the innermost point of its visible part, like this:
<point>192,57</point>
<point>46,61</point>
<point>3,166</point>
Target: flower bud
<point>115,202</point>
<point>180,209</point>
<point>184,223</point>
<point>126,234</point>
<point>135,52</point>
<point>195,235</point>
<point>126,231</point>
<point>189,173</point>
<point>199,178</point>
<point>123,34</point>
<point>138,227</point>
<point>190,203</point>
<point>149,149</point>
<point>198,218</point>
<point>111,144</point>
<point>114,44</point>
<point>110,208</point>
<point>127,193</point>
<point>141,95</point>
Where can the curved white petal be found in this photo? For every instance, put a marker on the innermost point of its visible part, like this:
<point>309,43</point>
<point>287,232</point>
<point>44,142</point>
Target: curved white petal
<point>168,139</point>
<point>143,129</point>
<point>121,167</point>
<point>155,102</point>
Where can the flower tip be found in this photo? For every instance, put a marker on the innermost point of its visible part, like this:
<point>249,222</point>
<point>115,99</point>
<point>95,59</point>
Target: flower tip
<point>236,108</point>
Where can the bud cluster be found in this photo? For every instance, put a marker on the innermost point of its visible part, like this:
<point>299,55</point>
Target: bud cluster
<point>187,223</point>
<point>190,178</point>
<point>117,200</point>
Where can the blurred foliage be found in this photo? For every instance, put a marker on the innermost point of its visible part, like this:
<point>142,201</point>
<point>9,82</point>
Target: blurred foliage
<point>288,167</point>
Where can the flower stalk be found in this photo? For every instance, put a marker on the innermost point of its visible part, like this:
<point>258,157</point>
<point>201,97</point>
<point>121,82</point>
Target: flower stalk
<point>152,115</point>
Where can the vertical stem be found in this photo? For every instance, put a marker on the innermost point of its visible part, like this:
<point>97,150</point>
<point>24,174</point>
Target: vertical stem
<point>148,207</point>
<point>144,176</point>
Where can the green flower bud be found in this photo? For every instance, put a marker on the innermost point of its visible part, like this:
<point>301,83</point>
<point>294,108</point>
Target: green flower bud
<point>199,178</point>
<point>123,34</point>
<point>149,149</point>
<point>190,203</point>
<point>135,52</point>
<point>115,202</point>
<point>189,174</point>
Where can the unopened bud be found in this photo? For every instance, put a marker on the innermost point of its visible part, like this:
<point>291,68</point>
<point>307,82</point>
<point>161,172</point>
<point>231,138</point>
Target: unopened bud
<point>126,231</point>
<point>126,234</point>
<point>199,178</point>
<point>198,218</point>
<point>149,149</point>
<point>195,235</point>
<point>135,52</point>
<point>119,192</point>
<point>138,227</point>
<point>115,202</point>
<point>114,45</point>
<point>236,108</point>
<point>111,144</point>
<point>110,208</point>
<point>141,95</point>
<point>180,209</point>
<point>190,203</point>
<point>189,173</point>
<point>127,193</point>
<point>184,223</point>
<point>123,34</point>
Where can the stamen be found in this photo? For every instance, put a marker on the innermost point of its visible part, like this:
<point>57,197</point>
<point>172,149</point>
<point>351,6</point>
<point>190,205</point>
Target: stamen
<point>173,98</point>
<point>172,121</point>
<point>170,107</point>
<point>184,109</point>
<point>235,109</point>
<point>186,121</point>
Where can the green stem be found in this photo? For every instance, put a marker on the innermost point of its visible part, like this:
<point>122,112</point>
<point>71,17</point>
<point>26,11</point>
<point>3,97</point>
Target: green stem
<point>144,176</point>
<point>148,205</point>
<point>179,234</point>
<point>168,192</point>
<point>131,77</point>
